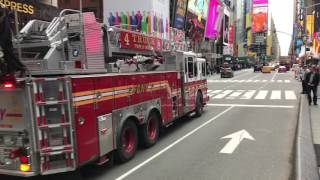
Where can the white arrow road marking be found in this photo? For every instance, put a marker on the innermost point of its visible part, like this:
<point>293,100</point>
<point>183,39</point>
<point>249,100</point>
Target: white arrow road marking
<point>236,139</point>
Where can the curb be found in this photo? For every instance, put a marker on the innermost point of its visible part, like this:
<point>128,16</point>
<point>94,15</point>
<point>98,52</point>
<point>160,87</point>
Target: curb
<point>306,161</point>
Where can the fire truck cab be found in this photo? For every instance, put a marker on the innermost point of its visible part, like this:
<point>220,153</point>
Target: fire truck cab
<point>88,97</point>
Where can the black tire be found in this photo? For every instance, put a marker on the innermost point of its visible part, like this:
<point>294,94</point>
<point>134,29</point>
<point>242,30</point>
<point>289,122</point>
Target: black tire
<point>127,142</point>
<point>149,132</point>
<point>199,105</point>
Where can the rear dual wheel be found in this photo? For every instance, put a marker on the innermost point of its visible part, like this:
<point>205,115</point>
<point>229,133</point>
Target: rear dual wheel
<point>127,142</point>
<point>149,132</point>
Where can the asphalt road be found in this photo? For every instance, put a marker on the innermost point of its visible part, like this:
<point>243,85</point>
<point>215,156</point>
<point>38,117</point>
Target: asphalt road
<point>261,109</point>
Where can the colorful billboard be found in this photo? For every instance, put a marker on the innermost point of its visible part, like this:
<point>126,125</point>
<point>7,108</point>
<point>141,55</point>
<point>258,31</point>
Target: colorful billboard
<point>214,18</point>
<point>179,19</point>
<point>148,17</point>
<point>199,8</point>
<point>259,19</point>
<point>260,2</point>
<point>226,24</point>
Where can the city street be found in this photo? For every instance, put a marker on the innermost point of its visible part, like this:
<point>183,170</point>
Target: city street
<point>247,132</point>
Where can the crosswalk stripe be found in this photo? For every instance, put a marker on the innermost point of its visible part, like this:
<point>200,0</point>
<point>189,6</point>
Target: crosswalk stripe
<point>290,95</point>
<point>262,94</point>
<point>249,80</point>
<point>275,95</point>
<point>279,81</point>
<point>223,94</point>
<point>235,94</point>
<point>248,94</point>
<point>287,81</point>
<point>214,92</point>
<point>241,80</point>
<point>265,81</point>
<point>257,81</point>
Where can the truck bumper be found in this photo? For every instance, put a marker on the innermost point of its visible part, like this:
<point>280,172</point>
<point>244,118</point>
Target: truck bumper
<point>17,173</point>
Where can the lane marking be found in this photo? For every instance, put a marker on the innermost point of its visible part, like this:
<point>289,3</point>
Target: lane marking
<point>274,76</point>
<point>223,94</point>
<point>275,95</point>
<point>290,95</point>
<point>214,92</point>
<point>251,106</point>
<point>262,94</point>
<point>248,94</point>
<point>125,175</point>
<point>235,94</point>
<point>265,81</point>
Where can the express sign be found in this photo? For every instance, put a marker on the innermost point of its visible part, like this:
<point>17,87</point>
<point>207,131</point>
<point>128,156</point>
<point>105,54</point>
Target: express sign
<point>18,6</point>
<point>130,40</point>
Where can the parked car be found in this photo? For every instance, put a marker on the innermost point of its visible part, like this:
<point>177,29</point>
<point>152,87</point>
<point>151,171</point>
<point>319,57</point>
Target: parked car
<point>282,69</point>
<point>226,73</point>
<point>257,68</point>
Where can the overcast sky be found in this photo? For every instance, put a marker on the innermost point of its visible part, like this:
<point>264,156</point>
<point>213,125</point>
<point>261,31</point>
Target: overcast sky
<point>282,12</point>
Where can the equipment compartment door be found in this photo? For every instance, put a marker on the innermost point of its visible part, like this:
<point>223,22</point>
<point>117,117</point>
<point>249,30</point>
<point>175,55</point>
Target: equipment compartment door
<point>85,119</point>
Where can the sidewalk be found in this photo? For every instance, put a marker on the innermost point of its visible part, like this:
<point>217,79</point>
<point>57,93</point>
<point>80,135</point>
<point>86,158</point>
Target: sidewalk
<point>315,125</point>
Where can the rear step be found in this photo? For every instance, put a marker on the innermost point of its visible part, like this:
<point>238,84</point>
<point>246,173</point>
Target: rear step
<point>54,125</point>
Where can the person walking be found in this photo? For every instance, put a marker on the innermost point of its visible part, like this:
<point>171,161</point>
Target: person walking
<point>312,80</point>
<point>13,63</point>
<point>303,72</point>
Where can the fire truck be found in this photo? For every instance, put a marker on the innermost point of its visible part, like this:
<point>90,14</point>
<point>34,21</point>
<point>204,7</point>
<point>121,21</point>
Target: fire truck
<point>92,92</point>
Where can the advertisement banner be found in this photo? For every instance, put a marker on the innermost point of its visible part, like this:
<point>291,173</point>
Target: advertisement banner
<point>260,2</point>
<point>226,24</point>
<point>199,8</point>
<point>213,23</point>
<point>231,35</point>
<point>260,19</point>
<point>179,20</point>
<point>145,16</point>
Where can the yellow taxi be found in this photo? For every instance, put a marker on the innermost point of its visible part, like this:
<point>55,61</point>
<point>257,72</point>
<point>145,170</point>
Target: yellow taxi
<point>266,69</point>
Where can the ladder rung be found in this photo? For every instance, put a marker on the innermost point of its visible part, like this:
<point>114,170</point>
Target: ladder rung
<point>57,150</point>
<point>45,103</point>
<point>49,126</point>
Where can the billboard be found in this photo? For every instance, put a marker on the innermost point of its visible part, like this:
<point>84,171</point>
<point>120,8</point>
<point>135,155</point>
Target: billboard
<point>260,2</point>
<point>226,24</point>
<point>179,18</point>
<point>260,19</point>
<point>214,18</point>
<point>148,17</point>
<point>199,8</point>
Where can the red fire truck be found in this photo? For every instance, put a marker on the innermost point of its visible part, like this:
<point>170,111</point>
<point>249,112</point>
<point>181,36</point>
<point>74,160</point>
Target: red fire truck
<point>93,92</point>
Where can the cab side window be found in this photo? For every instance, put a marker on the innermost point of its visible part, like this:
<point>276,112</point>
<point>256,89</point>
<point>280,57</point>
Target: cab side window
<point>191,67</point>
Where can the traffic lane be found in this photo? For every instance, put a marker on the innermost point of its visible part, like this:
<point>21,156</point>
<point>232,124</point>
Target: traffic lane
<point>198,157</point>
<point>236,74</point>
<point>230,85</point>
<point>170,135</point>
<point>167,137</point>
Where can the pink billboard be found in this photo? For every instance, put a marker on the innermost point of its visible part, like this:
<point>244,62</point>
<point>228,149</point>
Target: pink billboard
<point>213,24</point>
<point>260,2</point>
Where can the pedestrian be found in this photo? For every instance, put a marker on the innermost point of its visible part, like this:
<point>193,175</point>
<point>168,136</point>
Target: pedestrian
<point>312,80</point>
<point>302,73</point>
<point>12,62</point>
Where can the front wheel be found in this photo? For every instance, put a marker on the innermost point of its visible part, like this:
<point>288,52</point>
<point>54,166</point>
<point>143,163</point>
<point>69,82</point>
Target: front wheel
<point>127,142</point>
<point>150,130</point>
<point>199,105</point>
